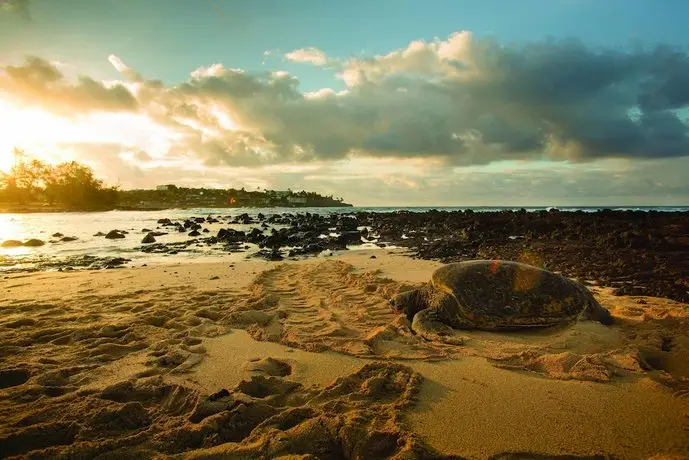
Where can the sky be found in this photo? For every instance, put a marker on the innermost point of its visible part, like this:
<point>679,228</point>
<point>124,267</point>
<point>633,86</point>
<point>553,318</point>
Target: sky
<point>392,102</point>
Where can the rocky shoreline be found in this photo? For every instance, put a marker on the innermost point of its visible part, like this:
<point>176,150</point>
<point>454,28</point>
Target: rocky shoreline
<point>636,252</point>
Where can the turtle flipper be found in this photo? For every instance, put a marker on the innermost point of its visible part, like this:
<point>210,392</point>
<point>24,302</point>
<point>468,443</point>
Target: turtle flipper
<point>427,325</point>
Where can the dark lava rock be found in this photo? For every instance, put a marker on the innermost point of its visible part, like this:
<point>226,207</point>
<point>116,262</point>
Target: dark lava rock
<point>99,234</point>
<point>110,262</point>
<point>350,237</point>
<point>639,252</point>
<point>276,239</point>
<point>255,236</point>
<point>165,222</point>
<point>348,223</point>
<point>148,239</point>
<point>114,235</point>
<point>67,239</point>
<point>57,235</point>
<point>229,234</point>
<point>11,244</point>
<point>71,262</point>
<point>155,248</point>
<point>273,255</point>
<point>34,243</point>
<point>243,219</point>
<point>194,233</point>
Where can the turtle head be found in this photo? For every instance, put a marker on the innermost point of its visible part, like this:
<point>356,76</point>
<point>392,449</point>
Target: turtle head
<point>596,312</point>
<point>409,302</point>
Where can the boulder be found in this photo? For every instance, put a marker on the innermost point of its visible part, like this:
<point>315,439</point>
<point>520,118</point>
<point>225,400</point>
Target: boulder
<point>33,243</point>
<point>113,262</point>
<point>11,244</point>
<point>350,237</point>
<point>229,234</point>
<point>255,236</point>
<point>243,219</point>
<point>148,239</point>
<point>114,235</point>
<point>67,239</point>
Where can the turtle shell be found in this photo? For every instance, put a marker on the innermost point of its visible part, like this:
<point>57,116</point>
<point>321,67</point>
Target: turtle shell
<point>505,294</point>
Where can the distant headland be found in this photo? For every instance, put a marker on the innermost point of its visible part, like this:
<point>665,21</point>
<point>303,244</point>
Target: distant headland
<point>171,196</point>
<point>34,186</point>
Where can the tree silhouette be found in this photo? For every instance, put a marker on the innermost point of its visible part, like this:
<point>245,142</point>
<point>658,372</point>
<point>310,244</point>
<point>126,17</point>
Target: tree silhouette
<point>70,184</point>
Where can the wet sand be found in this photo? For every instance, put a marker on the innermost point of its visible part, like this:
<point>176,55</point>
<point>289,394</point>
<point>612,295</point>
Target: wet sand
<point>132,362</point>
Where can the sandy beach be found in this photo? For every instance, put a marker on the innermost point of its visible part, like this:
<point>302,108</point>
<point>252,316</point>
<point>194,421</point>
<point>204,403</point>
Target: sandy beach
<point>305,359</point>
<point>316,230</point>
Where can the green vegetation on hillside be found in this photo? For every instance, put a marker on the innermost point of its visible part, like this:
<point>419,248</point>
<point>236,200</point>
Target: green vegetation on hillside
<point>173,196</point>
<point>35,185</point>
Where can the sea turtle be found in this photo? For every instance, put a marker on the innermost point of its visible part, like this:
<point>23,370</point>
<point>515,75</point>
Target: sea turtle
<point>495,295</point>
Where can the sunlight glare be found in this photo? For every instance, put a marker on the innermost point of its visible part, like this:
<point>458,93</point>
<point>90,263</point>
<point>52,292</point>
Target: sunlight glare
<point>223,118</point>
<point>27,128</point>
<point>52,138</point>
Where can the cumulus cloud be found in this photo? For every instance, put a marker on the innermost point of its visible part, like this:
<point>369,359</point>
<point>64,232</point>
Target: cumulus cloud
<point>460,101</point>
<point>121,67</point>
<point>39,83</point>
<point>310,55</point>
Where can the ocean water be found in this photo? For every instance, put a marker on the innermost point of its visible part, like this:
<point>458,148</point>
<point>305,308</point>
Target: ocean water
<point>84,226</point>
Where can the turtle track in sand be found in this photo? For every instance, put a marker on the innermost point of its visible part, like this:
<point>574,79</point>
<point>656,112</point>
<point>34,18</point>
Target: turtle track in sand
<point>326,306</point>
<point>330,306</point>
